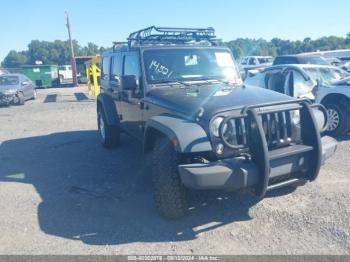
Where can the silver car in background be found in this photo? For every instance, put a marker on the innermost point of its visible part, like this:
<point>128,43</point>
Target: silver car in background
<point>326,85</point>
<point>16,89</point>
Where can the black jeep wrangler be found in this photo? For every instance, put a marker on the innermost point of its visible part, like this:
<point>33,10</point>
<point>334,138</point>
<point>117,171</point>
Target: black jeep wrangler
<point>178,91</point>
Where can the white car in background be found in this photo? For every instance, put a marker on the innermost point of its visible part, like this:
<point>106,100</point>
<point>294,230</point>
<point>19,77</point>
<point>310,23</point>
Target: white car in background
<point>326,85</point>
<point>65,73</point>
<point>251,65</point>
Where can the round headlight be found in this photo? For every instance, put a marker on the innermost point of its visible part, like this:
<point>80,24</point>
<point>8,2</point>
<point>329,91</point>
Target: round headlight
<point>215,125</point>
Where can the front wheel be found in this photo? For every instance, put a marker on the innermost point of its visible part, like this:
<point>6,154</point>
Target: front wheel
<point>110,134</point>
<point>338,119</point>
<point>169,192</point>
<point>20,98</point>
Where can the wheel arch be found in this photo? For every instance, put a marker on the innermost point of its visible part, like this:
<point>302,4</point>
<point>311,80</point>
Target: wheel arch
<point>186,137</point>
<point>336,97</point>
<point>106,103</point>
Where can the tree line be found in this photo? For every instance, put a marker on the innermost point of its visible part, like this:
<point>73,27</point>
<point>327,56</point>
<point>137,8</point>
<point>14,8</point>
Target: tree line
<point>244,46</point>
<point>58,52</point>
<point>50,53</point>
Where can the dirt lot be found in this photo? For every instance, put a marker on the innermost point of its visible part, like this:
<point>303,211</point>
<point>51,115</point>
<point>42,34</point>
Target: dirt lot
<point>62,193</point>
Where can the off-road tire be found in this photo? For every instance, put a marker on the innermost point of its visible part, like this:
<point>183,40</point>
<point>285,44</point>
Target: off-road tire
<point>169,192</point>
<point>111,137</point>
<point>20,98</point>
<point>344,119</point>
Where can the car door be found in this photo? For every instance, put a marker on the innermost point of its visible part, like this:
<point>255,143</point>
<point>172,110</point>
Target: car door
<point>115,88</point>
<point>131,99</point>
<point>298,86</point>
<point>26,87</point>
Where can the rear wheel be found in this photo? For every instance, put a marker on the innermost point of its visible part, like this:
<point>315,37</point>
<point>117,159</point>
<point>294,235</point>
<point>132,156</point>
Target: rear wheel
<point>338,119</point>
<point>169,192</point>
<point>110,134</point>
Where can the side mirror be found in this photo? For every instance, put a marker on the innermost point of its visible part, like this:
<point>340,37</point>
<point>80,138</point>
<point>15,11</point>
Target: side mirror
<point>25,83</point>
<point>129,82</point>
<point>115,81</point>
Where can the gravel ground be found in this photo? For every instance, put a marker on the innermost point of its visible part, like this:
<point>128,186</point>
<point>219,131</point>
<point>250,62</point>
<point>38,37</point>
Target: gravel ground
<point>62,193</point>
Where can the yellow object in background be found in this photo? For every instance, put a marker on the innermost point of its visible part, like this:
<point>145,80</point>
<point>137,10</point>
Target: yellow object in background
<point>93,73</point>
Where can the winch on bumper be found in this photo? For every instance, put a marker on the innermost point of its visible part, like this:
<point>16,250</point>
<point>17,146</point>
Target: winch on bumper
<point>266,168</point>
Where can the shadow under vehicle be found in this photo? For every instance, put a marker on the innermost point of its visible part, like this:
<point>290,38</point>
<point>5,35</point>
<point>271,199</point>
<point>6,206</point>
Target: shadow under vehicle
<point>102,204</point>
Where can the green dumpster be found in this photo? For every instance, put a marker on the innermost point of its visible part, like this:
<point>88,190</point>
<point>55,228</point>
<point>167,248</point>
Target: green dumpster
<point>42,75</point>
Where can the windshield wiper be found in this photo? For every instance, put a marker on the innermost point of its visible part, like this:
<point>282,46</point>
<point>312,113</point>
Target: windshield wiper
<point>170,82</point>
<point>209,80</point>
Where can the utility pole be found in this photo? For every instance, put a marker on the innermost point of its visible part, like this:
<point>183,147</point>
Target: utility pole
<point>74,65</point>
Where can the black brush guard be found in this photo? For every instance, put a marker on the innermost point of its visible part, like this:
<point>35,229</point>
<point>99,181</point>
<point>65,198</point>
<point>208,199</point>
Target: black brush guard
<point>263,157</point>
<point>270,167</point>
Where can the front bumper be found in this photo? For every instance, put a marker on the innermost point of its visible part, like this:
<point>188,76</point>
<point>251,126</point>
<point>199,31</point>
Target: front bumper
<point>239,173</point>
<point>6,99</point>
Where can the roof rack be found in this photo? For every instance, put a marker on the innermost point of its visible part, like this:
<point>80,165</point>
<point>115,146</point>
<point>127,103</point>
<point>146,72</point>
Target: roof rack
<point>119,45</point>
<point>172,35</point>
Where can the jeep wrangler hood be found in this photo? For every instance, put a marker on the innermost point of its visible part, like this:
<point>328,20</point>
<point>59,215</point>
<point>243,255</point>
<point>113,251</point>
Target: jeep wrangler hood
<point>188,101</point>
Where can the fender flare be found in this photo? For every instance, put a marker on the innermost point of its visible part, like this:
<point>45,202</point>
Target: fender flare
<point>186,136</point>
<point>108,107</point>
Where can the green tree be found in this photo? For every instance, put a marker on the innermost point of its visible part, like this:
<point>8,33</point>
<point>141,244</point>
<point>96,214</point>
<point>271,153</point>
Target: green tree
<point>15,59</point>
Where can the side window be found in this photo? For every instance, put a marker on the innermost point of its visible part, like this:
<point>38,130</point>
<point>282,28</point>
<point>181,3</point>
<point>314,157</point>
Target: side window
<point>275,80</point>
<point>302,88</point>
<point>132,65</point>
<point>257,80</point>
<point>116,68</point>
<point>105,68</point>
<point>252,61</point>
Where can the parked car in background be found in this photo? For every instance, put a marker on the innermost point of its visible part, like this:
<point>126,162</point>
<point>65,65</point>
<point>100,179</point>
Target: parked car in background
<point>16,89</point>
<point>300,59</point>
<point>251,65</point>
<point>253,61</point>
<point>327,85</point>
<point>343,64</point>
<point>65,73</point>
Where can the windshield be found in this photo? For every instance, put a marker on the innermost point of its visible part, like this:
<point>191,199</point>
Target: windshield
<point>326,74</point>
<point>8,80</point>
<point>169,65</point>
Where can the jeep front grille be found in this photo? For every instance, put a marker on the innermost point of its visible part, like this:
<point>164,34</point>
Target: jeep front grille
<point>278,127</point>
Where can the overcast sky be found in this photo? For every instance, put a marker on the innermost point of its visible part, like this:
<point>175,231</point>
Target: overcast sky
<point>105,21</point>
